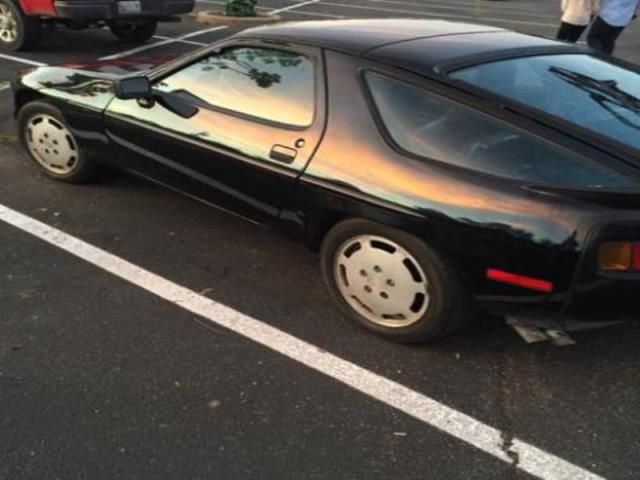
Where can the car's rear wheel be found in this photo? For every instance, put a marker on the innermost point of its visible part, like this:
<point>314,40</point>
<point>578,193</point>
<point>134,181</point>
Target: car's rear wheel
<point>17,30</point>
<point>134,32</point>
<point>392,283</point>
<point>52,144</point>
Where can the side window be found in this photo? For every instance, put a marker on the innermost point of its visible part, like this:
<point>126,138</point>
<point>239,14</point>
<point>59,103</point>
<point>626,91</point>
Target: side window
<point>268,84</point>
<point>430,126</point>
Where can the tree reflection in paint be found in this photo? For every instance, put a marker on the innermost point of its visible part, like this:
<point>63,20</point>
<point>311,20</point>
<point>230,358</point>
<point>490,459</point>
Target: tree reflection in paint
<point>229,79</point>
<point>243,62</point>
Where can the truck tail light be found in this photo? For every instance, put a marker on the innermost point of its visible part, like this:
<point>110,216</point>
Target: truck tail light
<point>619,257</point>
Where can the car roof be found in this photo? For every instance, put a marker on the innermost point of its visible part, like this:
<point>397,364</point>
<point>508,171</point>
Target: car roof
<point>356,36</point>
<point>416,44</point>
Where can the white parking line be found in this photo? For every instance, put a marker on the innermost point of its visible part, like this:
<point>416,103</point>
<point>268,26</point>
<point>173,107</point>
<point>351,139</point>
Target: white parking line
<point>188,42</point>
<point>270,10</point>
<point>22,60</point>
<point>164,41</point>
<point>293,7</point>
<point>472,5</point>
<point>307,13</point>
<point>202,32</point>
<point>397,11</point>
<point>169,40</point>
<point>133,51</point>
<point>479,7</point>
<point>433,413</point>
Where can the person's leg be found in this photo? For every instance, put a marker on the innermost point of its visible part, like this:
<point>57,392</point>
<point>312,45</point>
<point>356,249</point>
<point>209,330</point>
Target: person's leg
<point>603,36</point>
<point>569,32</point>
<point>612,38</point>
<point>596,35</point>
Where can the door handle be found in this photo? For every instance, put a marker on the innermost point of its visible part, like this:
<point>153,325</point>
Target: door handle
<point>283,154</point>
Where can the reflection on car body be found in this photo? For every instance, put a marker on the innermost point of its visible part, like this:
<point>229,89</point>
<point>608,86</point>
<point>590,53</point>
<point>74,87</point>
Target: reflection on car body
<point>433,176</point>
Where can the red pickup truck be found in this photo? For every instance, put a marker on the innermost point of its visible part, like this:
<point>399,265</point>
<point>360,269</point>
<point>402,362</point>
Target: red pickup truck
<point>131,21</point>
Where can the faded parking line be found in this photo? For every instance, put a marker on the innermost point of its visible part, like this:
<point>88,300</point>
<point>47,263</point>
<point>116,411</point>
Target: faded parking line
<point>163,41</point>
<point>22,60</point>
<point>424,14</point>
<point>188,42</point>
<point>168,41</point>
<point>424,11</point>
<point>517,9</point>
<point>270,10</point>
<point>492,441</point>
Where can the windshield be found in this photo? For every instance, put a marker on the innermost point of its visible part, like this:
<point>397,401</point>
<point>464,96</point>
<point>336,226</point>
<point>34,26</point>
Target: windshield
<point>584,90</point>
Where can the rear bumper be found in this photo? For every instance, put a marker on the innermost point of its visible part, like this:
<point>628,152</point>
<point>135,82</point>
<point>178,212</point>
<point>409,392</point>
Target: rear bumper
<point>597,294</point>
<point>606,299</point>
<point>601,302</point>
<point>586,293</point>
<point>108,9</point>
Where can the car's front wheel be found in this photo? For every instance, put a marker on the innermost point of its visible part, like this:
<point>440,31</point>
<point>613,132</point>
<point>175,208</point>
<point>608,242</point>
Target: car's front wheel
<point>17,30</point>
<point>52,144</point>
<point>392,283</point>
<point>134,32</point>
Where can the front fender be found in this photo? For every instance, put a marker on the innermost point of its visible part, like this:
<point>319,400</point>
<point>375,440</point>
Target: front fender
<point>85,89</point>
<point>80,96</point>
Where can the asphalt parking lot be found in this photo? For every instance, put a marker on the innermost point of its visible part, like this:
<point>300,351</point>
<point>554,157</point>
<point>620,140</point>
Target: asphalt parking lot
<point>118,377</point>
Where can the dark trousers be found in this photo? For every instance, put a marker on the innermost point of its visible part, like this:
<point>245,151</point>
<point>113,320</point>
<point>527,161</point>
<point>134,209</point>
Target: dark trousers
<point>603,36</point>
<point>569,32</point>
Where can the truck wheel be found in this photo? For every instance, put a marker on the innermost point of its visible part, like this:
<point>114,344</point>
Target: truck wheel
<point>17,30</point>
<point>134,32</point>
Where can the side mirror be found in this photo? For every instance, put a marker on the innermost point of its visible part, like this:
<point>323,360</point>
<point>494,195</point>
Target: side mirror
<point>131,88</point>
<point>177,105</point>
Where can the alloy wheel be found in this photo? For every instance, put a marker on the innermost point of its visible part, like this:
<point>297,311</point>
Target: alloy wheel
<point>381,281</point>
<point>51,144</point>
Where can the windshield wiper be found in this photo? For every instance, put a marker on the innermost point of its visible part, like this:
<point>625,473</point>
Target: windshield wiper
<point>602,92</point>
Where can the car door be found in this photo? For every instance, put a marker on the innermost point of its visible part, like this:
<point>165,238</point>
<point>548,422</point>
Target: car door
<point>259,118</point>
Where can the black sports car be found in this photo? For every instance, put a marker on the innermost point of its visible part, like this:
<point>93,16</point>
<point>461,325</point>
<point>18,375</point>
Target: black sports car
<point>437,166</point>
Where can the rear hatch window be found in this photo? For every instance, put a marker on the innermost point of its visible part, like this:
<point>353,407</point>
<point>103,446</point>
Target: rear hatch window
<point>584,90</point>
<point>433,127</point>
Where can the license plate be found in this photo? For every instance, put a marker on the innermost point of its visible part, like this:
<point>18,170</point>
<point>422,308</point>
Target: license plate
<point>129,6</point>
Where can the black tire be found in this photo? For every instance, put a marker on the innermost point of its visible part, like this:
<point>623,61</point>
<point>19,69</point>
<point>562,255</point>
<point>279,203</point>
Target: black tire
<point>82,170</point>
<point>449,306</point>
<point>134,32</point>
<point>26,30</point>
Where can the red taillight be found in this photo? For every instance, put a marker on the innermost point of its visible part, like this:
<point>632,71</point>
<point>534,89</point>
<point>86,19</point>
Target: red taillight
<point>520,280</point>
<point>636,257</point>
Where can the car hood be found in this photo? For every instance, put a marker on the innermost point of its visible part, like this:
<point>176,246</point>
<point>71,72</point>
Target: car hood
<point>120,66</point>
<point>82,77</point>
<point>89,84</point>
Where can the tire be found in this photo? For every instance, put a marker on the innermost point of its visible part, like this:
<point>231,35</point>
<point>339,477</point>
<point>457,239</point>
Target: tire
<point>393,284</point>
<point>52,145</point>
<point>134,32</point>
<point>17,30</point>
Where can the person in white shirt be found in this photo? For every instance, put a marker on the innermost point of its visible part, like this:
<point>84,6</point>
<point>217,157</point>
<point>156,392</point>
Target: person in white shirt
<point>614,16</point>
<point>576,16</point>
